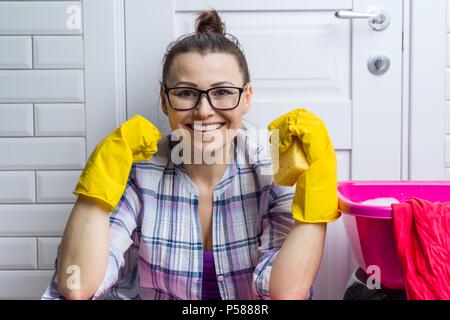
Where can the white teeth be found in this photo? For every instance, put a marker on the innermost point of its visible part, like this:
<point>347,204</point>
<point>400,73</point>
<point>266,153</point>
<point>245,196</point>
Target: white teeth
<point>207,127</point>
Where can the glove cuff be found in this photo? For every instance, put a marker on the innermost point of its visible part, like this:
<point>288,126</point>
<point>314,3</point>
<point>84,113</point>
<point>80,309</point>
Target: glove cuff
<point>315,199</point>
<point>101,188</point>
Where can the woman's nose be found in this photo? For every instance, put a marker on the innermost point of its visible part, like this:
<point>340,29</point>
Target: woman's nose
<point>204,108</point>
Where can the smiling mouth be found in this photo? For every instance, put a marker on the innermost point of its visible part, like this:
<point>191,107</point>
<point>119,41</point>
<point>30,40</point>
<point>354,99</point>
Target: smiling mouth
<point>206,128</point>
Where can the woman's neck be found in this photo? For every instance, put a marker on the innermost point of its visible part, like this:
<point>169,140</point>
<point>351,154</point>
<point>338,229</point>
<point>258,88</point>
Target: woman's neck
<point>206,175</point>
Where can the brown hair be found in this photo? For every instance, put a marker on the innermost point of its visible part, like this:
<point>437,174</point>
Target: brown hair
<point>209,37</point>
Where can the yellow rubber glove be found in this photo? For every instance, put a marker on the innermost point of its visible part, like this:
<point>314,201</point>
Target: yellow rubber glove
<point>105,175</point>
<point>315,199</point>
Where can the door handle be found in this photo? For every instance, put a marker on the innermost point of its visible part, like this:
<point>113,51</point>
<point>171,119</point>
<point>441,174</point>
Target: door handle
<point>378,19</point>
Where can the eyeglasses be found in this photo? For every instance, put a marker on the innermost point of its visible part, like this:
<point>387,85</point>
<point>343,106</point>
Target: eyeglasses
<point>220,98</point>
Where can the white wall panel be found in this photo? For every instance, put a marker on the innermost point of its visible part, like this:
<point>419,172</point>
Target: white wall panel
<point>428,90</point>
<point>343,164</point>
<point>24,284</point>
<point>59,119</point>
<point>40,17</point>
<point>262,5</point>
<point>285,72</point>
<point>448,47</point>
<point>17,187</point>
<point>58,52</point>
<point>33,219</point>
<point>43,130</point>
<point>447,117</point>
<point>56,186</point>
<point>447,151</point>
<point>15,52</point>
<point>336,115</point>
<point>41,86</point>
<point>47,252</point>
<point>18,253</point>
<point>16,120</point>
<point>42,153</point>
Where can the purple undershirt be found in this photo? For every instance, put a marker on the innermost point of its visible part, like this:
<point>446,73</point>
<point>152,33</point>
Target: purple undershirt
<point>210,289</point>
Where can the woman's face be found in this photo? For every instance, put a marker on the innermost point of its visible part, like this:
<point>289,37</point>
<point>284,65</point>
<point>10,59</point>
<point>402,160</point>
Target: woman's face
<point>203,72</point>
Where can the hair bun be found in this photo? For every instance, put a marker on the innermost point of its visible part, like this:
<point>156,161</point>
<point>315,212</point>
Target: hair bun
<point>209,21</point>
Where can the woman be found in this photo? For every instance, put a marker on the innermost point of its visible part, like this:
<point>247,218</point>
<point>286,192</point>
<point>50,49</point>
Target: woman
<point>197,229</point>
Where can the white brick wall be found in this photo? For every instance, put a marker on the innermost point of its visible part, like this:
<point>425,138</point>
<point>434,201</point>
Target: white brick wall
<point>16,52</point>
<point>18,253</point>
<point>23,284</point>
<point>33,219</point>
<point>56,186</point>
<point>42,137</point>
<point>57,52</point>
<point>42,153</point>
<point>59,119</point>
<point>16,120</point>
<point>17,187</point>
<point>37,18</point>
<point>47,248</point>
<point>41,86</point>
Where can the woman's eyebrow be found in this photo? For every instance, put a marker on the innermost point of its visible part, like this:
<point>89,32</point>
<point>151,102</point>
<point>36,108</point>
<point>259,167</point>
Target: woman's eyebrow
<point>222,83</point>
<point>212,85</point>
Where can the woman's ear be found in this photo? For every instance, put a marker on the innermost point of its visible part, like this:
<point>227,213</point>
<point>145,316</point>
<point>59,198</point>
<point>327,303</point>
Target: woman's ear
<point>163,100</point>
<point>248,94</point>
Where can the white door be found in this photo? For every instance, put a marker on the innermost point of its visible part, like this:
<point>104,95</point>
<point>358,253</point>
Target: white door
<point>300,55</point>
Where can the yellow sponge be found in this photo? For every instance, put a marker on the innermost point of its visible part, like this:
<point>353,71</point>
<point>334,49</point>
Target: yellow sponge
<point>292,164</point>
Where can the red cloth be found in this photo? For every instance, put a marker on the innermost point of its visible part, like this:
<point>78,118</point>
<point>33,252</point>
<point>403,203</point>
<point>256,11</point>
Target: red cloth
<point>422,232</point>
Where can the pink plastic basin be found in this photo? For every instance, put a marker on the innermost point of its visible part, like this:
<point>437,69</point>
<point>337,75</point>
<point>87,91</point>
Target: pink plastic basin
<point>369,228</point>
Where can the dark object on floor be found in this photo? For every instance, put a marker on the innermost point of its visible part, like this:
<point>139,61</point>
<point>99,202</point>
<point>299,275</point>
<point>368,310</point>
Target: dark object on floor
<point>358,290</point>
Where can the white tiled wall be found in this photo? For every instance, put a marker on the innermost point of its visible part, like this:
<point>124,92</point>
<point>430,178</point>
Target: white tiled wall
<point>16,52</point>
<point>16,120</point>
<point>17,187</point>
<point>42,138</point>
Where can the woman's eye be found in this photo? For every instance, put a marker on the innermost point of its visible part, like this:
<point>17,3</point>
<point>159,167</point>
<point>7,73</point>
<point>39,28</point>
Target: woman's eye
<point>221,92</point>
<point>186,93</point>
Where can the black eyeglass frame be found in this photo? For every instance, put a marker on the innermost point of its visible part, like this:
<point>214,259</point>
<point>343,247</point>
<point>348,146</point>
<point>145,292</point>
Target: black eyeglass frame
<point>201,92</point>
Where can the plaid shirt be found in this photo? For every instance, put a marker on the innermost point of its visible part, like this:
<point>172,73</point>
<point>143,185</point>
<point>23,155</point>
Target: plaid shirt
<point>156,222</point>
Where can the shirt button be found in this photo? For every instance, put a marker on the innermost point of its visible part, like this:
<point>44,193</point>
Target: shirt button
<point>220,278</point>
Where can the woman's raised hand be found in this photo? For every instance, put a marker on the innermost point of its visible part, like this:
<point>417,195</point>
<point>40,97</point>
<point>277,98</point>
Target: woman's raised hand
<point>105,175</point>
<point>315,199</point>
